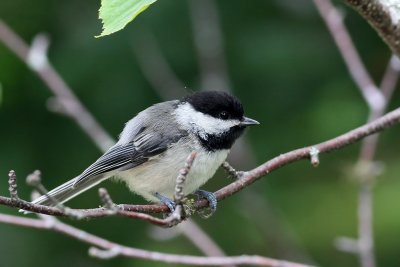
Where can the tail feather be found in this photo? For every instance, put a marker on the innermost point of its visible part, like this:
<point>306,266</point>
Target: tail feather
<point>67,191</point>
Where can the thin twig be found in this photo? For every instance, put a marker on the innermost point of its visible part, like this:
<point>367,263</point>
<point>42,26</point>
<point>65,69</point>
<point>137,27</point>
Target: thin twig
<point>181,178</point>
<point>12,184</point>
<point>107,201</point>
<point>314,156</point>
<point>232,172</point>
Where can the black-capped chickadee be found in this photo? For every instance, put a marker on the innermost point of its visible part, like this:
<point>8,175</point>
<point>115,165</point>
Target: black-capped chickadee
<point>154,145</point>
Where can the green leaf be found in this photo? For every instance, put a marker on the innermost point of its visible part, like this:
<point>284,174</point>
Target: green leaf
<point>115,14</point>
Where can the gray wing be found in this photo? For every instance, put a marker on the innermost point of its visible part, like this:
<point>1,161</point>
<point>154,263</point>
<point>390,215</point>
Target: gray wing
<point>126,156</point>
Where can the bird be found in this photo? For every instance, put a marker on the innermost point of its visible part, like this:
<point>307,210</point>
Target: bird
<point>154,145</point>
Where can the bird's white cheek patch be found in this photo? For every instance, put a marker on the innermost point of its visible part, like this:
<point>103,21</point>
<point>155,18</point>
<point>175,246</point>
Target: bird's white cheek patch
<point>201,123</point>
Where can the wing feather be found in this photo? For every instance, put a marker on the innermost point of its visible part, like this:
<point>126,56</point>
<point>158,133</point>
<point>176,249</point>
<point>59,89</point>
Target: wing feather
<point>123,157</point>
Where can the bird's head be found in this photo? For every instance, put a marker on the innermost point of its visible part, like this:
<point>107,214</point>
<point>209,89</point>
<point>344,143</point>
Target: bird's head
<point>216,117</point>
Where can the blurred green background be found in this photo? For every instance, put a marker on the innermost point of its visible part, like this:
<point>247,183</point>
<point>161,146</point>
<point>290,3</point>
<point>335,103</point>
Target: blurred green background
<point>287,71</point>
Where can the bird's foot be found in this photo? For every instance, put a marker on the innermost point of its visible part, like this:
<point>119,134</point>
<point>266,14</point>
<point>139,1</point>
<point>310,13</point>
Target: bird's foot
<point>168,202</point>
<point>212,200</point>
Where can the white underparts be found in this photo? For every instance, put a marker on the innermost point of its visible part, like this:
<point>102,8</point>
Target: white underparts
<point>158,175</point>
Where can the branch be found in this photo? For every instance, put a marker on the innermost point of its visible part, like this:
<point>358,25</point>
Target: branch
<point>384,17</point>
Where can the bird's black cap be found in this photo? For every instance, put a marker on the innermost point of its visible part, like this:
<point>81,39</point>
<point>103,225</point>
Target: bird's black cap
<point>216,103</point>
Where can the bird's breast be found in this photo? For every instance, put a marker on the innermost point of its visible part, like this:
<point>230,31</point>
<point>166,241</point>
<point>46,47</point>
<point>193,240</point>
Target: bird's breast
<point>159,173</point>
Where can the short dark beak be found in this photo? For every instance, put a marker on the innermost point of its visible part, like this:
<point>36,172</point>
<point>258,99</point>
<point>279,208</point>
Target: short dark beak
<point>248,122</point>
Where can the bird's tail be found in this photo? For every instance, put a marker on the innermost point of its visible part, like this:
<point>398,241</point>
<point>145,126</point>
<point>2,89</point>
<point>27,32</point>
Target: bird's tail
<point>67,191</point>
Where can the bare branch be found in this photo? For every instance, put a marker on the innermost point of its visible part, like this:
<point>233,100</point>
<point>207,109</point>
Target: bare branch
<point>107,201</point>
<point>391,77</point>
<point>181,178</point>
<point>12,185</point>
<point>231,171</point>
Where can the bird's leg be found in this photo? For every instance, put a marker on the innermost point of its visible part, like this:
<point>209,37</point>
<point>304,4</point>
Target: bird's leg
<point>212,200</point>
<point>170,203</point>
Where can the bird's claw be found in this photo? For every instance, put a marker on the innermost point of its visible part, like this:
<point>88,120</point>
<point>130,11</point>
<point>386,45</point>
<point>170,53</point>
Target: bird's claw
<point>212,200</point>
<point>168,202</point>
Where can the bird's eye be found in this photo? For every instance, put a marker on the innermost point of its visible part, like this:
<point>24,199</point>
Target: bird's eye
<point>224,115</point>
